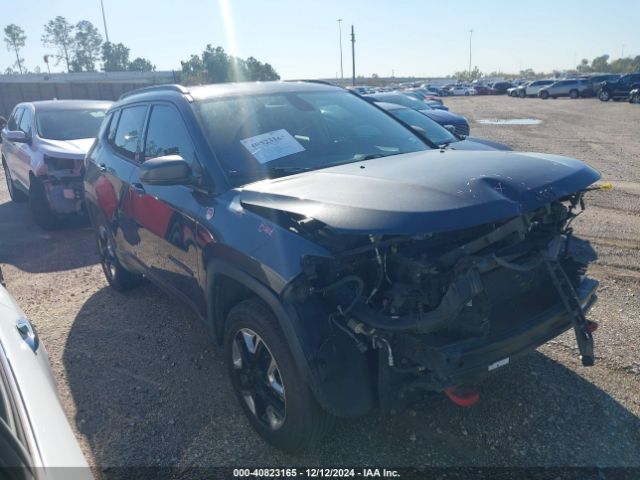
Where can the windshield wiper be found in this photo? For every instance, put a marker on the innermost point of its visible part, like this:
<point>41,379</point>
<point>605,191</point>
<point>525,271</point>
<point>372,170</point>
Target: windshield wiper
<point>287,170</point>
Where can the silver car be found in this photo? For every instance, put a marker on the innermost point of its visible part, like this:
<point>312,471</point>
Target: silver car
<point>36,437</point>
<point>43,149</point>
<point>574,88</point>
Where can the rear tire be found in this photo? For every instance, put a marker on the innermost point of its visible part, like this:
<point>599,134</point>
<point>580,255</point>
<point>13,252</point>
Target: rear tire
<point>39,205</point>
<point>523,94</point>
<point>544,95</point>
<point>15,194</point>
<point>574,94</point>
<point>118,277</point>
<point>604,96</point>
<point>279,405</point>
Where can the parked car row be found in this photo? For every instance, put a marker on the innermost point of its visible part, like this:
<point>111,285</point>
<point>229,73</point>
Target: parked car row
<point>605,87</point>
<point>347,251</point>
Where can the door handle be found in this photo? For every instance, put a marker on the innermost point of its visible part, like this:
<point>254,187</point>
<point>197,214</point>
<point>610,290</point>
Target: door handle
<point>28,333</point>
<point>102,167</point>
<point>138,188</point>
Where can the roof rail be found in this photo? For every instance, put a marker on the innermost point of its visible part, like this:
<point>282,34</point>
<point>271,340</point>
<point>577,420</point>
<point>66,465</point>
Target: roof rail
<point>153,88</point>
<point>321,82</point>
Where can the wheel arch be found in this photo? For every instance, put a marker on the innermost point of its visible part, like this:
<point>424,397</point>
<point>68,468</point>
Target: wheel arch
<point>224,278</point>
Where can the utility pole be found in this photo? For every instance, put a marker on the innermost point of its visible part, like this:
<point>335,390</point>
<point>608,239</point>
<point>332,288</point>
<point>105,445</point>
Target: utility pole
<point>622,56</point>
<point>353,56</point>
<point>104,20</point>
<point>340,32</point>
<point>470,35</point>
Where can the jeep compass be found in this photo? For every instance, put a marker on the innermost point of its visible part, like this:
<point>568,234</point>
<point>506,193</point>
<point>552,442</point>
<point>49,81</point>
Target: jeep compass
<point>344,264</point>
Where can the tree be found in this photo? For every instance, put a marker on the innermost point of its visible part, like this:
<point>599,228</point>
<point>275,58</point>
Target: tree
<point>141,65</point>
<point>115,57</point>
<point>60,34</point>
<point>466,76</point>
<point>87,43</point>
<point>15,38</point>
<point>214,65</point>
<point>600,64</point>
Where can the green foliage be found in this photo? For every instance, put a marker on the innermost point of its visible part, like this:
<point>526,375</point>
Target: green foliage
<point>214,65</point>
<point>15,38</point>
<point>87,43</point>
<point>141,65</point>
<point>60,34</point>
<point>115,57</point>
<point>601,64</point>
<point>466,76</point>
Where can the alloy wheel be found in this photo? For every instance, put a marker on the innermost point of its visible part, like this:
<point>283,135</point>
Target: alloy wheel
<point>259,377</point>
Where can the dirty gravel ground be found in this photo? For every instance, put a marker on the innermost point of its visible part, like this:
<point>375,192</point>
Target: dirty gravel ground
<point>142,384</point>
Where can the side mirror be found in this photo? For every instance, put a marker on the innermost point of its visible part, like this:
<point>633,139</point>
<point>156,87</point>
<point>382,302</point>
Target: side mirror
<point>18,136</point>
<point>166,170</point>
<point>451,129</point>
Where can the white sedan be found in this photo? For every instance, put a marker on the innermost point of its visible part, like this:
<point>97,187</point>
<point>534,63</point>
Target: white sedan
<point>36,436</point>
<point>462,90</point>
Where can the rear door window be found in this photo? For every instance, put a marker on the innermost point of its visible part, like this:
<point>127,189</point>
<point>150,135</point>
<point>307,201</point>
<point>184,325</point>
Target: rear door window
<point>127,136</point>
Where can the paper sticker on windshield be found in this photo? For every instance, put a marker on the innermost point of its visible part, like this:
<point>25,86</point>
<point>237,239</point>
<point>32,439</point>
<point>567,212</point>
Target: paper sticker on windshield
<point>272,145</point>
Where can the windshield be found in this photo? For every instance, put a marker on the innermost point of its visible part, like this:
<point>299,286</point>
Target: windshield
<point>267,136</point>
<point>69,124</point>
<point>431,130</point>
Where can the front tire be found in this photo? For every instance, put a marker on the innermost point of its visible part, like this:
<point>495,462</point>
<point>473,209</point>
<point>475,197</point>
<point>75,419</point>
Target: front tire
<point>523,94</point>
<point>574,94</point>
<point>15,194</point>
<point>39,205</point>
<point>544,95</point>
<point>278,403</point>
<point>604,96</point>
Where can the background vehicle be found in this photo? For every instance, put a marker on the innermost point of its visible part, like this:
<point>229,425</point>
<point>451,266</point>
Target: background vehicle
<point>500,88</point>
<point>531,89</point>
<point>36,438</point>
<point>434,133</point>
<point>513,91</point>
<point>462,90</point>
<point>43,148</point>
<point>619,89</point>
<point>302,224</point>
<point>564,88</point>
<point>460,123</point>
<point>634,96</point>
<point>481,89</point>
<point>595,82</point>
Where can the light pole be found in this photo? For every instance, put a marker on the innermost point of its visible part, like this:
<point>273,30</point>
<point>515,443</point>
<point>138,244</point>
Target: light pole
<point>353,56</point>
<point>340,33</point>
<point>104,20</point>
<point>470,35</point>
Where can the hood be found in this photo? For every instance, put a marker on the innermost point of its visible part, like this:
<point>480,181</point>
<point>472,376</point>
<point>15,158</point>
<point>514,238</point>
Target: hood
<point>423,192</point>
<point>441,116</point>
<point>75,149</point>
<point>474,143</point>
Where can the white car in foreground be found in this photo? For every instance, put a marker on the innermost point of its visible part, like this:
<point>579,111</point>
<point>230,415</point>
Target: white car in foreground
<point>43,149</point>
<point>36,437</point>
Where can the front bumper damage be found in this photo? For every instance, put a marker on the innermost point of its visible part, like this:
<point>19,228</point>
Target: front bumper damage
<point>469,361</point>
<point>433,313</point>
<point>65,193</point>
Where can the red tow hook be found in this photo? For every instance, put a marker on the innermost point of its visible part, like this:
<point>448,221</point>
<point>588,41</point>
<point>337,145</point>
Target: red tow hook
<point>463,396</point>
<point>592,326</point>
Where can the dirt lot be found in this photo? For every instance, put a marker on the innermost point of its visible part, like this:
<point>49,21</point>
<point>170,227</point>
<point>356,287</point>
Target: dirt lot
<point>142,384</point>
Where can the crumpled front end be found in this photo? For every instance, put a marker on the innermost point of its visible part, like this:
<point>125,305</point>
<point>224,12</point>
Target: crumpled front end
<point>62,181</point>
<point>434,311</point>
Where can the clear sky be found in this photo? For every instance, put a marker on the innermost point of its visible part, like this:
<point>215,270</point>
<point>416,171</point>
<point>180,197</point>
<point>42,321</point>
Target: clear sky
<point>300,38</point>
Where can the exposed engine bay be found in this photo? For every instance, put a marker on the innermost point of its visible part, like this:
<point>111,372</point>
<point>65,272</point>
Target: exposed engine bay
<point>406,297</point>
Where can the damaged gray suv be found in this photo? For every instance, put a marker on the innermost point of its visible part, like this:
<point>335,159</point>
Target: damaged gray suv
<point>43,148</point>
<point>344,264</point>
